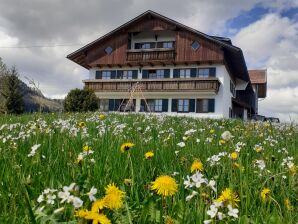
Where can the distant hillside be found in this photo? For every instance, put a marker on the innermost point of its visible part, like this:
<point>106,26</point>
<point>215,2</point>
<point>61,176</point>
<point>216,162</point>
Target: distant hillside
<point>35,101</point>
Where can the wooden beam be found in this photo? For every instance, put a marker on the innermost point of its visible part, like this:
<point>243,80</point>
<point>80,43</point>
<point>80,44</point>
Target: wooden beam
<point>129,65</point>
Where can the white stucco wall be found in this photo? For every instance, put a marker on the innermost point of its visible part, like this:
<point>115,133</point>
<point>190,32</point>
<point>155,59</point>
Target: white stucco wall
<point>222,98</point>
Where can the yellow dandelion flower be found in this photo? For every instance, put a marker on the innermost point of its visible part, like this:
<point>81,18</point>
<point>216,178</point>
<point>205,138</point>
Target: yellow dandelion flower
<point>81,213</point>
<point>265,193</point>
<point>82,125</point>
<point>97,218</point>
<point>101,116</point>
<point>234,155</point>
<point>114,197</point>
<point>149,155</point>
<point>221,142</point>
<point>240,167</point>
<point>164,185</point>
<point>126,146</point>
<point>293,170</point>
<point>197,165</point>
<point>258,148</point>
<point>86,148</point>
<point>288,204</point>
<point>228,197</point>
<point>127,182</point>
<point>98,205</point>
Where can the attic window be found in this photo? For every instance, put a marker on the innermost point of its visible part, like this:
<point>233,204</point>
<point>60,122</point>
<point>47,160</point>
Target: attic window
<point>195,45</point>
<point>109,50</point>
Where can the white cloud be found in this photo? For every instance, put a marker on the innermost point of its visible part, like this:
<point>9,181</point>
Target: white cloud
<point>272,42</point>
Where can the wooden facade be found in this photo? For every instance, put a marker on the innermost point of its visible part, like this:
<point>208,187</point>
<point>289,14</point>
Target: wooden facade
<point>153,85</point>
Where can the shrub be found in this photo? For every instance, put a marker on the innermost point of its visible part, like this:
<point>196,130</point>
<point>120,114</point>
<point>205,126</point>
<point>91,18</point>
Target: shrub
<point>81,100</point>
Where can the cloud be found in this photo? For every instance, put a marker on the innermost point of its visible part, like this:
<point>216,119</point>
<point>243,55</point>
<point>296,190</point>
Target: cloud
<point>272,42</point>
<point>269,42</point>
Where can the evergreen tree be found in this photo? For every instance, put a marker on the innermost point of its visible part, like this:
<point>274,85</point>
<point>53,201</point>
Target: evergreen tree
<point>12,92</point>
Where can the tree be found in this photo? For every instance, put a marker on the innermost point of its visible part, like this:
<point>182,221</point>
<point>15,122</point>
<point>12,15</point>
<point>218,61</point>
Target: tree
<point>81,100</point>
<point>12,92</point>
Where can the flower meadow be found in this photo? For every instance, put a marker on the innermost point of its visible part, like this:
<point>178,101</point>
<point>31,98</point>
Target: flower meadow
<point>140,168</point>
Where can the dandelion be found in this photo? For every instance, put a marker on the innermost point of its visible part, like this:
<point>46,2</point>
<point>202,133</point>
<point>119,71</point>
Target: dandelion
<point>288,204</point>
<point>126,146</point>
<point>228,197</point>
<point>197,165</point>
<point>258,148</point>
<point>114,197</point>
<point>97,218</point>
<point>98,205</point>
<point>149,155</point>
<point>164,185</point>
<point>86,148</point>
<point>82,125</point>
<point>293,170</point>
<point>101,116</point>
<point>221,142</point>
<point>234,155</point>
<point>265,194</point>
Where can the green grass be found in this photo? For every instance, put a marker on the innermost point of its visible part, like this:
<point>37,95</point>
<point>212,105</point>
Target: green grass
<point>54,165</point>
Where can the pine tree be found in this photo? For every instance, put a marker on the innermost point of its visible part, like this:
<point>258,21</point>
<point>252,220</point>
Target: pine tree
<point>12,92</point>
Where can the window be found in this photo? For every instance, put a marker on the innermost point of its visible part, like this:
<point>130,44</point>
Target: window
<point>184,73</point>
<point>104,105</point>
<point>203,72</point>
<point>152,74</point>
<point>168,44</point>
<point>127,75</point>
<point>106,75</point>
<point>147,45</point>
<point>158,105</point>
<point>160,73</point>
<point>109,50</point>
<point>183,105</point>
<point>232,88</point>
<point>195,45</point>
<point>205,105</point>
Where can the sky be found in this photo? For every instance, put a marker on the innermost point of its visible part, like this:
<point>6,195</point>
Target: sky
<point>266,31</point>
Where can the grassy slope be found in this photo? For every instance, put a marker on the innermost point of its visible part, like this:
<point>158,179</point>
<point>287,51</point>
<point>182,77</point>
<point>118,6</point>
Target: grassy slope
<point>54,165</point>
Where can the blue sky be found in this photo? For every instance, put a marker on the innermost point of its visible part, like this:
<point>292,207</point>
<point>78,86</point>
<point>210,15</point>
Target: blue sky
<point>266,31</point>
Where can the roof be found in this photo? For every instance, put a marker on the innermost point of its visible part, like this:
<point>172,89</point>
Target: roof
<point>234,53</point>
<point>258,76</point>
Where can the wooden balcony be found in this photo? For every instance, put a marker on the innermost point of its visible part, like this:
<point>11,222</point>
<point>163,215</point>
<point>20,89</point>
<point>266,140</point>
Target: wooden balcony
<point>150,55</point>
<point>156,85</point>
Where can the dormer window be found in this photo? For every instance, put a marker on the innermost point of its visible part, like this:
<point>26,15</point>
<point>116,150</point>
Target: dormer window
<point>195,45</point>
<point>109,50</point>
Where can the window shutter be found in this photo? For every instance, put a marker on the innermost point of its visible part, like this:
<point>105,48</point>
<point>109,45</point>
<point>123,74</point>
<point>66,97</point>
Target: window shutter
<point>119,74</point>
<point>98,74</point>
<point>192,105</point>
<point>117,104</point>
<point>212,72</point>
<point>193,72</point>
<point>142,108</point>
<point>113,74</point>
<point>135,74</point>
<point>167,73</point>
<point>111,104</point>
<point>174,105</point>
<point>165,105</point>
<point>176,73</point>
<point>145,74</point>
<point>211,105</point>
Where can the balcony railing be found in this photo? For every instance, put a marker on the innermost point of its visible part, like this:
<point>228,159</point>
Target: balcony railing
<point>150,55</point>
<point>155,85</point>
